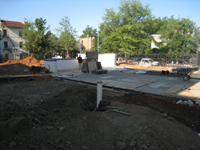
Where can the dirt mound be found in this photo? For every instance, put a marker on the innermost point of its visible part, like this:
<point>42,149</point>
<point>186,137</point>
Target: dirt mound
<point>28,61</point>
<point>28,65</point>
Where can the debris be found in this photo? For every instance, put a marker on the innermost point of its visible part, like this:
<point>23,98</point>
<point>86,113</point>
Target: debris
<point>190,103</point>
<point>56,145</point>
<point>121,112</point>
<point>179,102</point>
<point>199,134</point>
<point>117,107</point>
<point>141,72</point>
<point>26,70</point>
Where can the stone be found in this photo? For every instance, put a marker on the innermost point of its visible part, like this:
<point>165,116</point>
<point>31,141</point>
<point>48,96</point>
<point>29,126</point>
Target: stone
<point>61,128</point>
<point>170,118</point>
<point>44,112</point>
<point>12,144</point>
<point>153,147</point>
<point>133,144</point>
<point>31,147</point>
<point>164,115</point>
<point>56,110</point>
<point>121,145</point>
<point>144,146</point>
<point>16,123</point>
<point>50,127</point>
<point>36,120</point>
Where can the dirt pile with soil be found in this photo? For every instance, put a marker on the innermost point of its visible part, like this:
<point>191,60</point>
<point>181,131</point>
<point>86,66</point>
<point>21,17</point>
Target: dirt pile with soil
<point>28,61</point>
<point>46,113</point>
<point>28,65</point>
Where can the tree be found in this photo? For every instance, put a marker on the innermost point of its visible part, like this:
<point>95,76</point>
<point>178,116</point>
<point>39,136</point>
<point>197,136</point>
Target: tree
<point>89,31</point>
<point>37,37</point>
<point>67,36</point>
<point>180,36</point>
<point>124,31</point>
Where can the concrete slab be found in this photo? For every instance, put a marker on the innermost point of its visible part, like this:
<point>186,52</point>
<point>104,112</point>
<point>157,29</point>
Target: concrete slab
<point>118,84</point>
<point>174,89</point>
<point>157,85</point>
<point>107,77</point>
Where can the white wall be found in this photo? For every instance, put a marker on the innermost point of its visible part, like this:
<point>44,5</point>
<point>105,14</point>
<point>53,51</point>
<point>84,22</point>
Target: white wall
<point>61,64</point>
<point>107,59</point>
<point>51,65</point>
<point>64,64</point>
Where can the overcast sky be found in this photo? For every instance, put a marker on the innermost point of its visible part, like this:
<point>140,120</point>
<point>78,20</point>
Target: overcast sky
<point>89,12</point>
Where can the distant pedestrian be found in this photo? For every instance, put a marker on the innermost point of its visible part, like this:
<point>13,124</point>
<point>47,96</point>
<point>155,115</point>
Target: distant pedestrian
<point>80,60</point>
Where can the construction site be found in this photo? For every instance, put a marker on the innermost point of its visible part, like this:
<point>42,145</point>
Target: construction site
<point>46,106</point>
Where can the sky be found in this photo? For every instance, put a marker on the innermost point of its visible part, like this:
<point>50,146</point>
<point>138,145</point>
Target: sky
<point>90,12</point>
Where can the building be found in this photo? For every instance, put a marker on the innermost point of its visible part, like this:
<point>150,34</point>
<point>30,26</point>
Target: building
<point>157,39</point>
<point>86,43</point>
<point>11,41</point>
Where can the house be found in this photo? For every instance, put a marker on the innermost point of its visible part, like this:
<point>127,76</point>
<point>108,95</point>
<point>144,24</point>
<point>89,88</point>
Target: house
<point>157,39</point>
<point>86,43</point>
<point>11,41</point>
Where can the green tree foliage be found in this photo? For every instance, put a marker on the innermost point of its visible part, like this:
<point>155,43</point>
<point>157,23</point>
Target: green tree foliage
<point>179,35</point>
<point>125,30</point>
<point>67,36</point>
<point>89,31</point>
<point>37,37</point>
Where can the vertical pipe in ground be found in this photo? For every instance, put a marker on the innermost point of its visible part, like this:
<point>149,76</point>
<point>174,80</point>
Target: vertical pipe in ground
<point>99,92</point>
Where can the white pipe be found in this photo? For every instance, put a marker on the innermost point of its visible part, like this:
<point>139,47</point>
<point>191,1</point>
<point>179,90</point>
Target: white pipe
<point>99,92</point>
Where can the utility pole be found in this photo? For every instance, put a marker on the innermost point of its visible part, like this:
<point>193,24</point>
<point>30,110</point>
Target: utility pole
<point>97,40</point>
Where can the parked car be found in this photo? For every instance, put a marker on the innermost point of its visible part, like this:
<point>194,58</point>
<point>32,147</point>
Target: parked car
<point>120,61</point>
<point>57,57</point>
<point>133,61</point>
<point>178,63</point>
<point>148,62</point>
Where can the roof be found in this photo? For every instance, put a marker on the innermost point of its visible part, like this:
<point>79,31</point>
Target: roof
<point>12,23</point>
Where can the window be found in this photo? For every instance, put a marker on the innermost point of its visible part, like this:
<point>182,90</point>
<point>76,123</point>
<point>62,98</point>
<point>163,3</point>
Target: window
<point>20,34</point>
<point>4,32</point>
<point>5,44</point>
<point>20,44</point>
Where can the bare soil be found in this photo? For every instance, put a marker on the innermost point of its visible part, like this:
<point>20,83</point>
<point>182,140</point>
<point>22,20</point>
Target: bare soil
<point>46,113</point>
<point>40,113</point>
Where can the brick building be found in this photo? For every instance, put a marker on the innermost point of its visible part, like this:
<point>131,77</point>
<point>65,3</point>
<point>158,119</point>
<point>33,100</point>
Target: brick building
<point>86,43</point>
